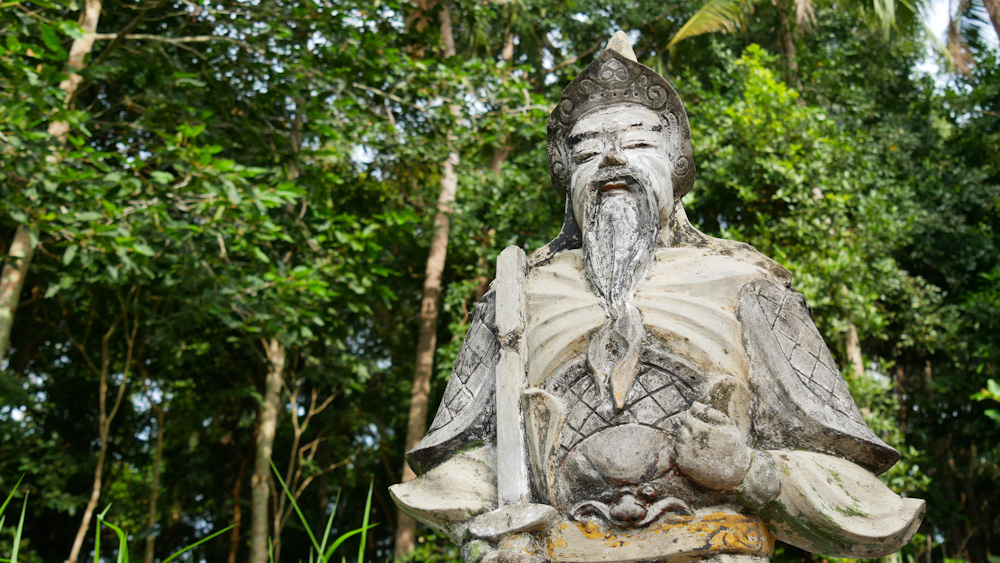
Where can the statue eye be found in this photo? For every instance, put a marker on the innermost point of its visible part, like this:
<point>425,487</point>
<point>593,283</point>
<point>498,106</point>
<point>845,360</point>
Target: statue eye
<point>584,156</point>
<point>639,145</point>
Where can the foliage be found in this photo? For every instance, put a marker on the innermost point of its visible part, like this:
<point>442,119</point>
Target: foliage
<point>238,172</point>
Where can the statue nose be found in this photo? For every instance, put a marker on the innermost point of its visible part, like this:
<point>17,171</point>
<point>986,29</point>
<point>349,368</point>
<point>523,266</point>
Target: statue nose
<point>628,509</point>
<point>612,157</point>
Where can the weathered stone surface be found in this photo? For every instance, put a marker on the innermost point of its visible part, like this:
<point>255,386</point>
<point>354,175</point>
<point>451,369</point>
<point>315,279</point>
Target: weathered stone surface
<point>512,519</point>
<point>702,535</point>
<point>639,391</point>
<point>836,508</point>
<point>449,495</point>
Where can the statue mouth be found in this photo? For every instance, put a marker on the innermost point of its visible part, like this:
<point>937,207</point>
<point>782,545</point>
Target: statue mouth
<point>614,186</point>
<point>620,180</point>
<point>629,511</point>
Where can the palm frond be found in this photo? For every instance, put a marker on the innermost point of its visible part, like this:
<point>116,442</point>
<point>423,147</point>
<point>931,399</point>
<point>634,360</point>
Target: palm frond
<point>885,16</point>
<point>715,15</point>
<point>937,44</point>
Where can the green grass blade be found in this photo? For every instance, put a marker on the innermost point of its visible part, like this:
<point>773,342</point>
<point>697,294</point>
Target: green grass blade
<point>20,526</point>
<point>97,534</point>
<point>340,540</point>
<point>364,523</point>
<point>199,542</point>
<point>270,550</point>
<point>295,505</point>
<point>122,538</point>
<point>97,541</point>
<point>11,495</point>
<point>326,533</point>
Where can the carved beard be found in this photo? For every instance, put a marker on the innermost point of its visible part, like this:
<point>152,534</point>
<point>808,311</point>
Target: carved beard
<point>619,241</point>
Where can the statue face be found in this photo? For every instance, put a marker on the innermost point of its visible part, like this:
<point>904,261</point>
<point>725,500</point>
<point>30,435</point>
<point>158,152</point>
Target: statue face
<point>617,150</point>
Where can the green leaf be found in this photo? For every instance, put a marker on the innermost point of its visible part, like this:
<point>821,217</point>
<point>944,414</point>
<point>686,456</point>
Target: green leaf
<point>69,254</point>
<point>20,527</point>
<point>199,542</point>
<point>161,177</point>
<point>50,39</point>
<point>295,505</point>
<point>342,538</point>
<point>88,216</point>
<point>122,537</point>
<point>364,523</point>
<point>11,494</point>
<point>259,254</point>
<point>71,29</point>
<point>715,15</point>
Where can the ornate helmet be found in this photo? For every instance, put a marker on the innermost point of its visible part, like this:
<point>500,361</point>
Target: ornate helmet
<point>616,77</point>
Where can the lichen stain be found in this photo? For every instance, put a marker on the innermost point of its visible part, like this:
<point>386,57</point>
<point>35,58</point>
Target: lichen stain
<point>615,542</point>
<point>717,532</point>
<point>592,530</point>
<point>556,543</point>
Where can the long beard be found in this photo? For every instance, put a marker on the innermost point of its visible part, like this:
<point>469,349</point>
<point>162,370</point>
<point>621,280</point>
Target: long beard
<point>619,243</point>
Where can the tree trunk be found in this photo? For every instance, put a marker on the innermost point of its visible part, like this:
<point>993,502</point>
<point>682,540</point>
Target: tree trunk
<point>21,249</point>
<point>234,535</point>
<point>427,339</point>
<point>77,53</point>
<point>12,282</point>
<point>105,417</point>
<point>993,9</point>
<point>260,482</point>
<point>154,492</point>
<point>788,46</point>
<point>88,512</point>
<point>854,351</point>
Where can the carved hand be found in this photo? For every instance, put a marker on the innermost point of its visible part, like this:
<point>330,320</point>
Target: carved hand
<point>710,450</point>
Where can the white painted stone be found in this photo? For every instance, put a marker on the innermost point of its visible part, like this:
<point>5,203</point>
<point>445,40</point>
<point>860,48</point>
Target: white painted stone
<point>862,517</point>
<point>512,519</point>
<point>448,496</point>
<point>512,468</point>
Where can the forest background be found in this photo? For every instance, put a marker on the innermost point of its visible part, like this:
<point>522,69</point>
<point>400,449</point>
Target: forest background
<point>240,231</point>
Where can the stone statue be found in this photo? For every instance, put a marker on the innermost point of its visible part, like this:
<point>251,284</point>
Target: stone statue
<point>639,391</point>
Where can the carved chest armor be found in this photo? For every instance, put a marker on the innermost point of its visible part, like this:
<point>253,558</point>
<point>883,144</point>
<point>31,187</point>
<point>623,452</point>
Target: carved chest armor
<point>664,387</point>
<point>693,342</point>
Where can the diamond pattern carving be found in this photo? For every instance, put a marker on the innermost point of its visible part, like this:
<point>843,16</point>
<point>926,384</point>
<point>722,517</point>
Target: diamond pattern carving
<point>663,388</point>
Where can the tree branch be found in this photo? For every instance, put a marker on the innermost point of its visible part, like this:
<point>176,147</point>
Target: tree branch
<point>174,40</point>
<point>121,35</point>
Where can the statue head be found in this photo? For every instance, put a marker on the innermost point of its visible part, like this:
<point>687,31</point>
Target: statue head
<point>597,144</point>
<point>620,125</point>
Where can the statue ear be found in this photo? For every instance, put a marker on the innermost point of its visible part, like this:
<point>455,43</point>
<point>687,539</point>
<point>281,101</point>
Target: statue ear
<point>679,151</point>
<point>558,166</point>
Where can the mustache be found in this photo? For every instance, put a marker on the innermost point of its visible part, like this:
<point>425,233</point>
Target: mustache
<point>633,178</point>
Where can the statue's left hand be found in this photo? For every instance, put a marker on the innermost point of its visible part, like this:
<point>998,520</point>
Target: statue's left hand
<point>710,450</point>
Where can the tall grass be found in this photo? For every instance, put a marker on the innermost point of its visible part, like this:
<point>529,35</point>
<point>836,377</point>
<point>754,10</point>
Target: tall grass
<point>319,553</point>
